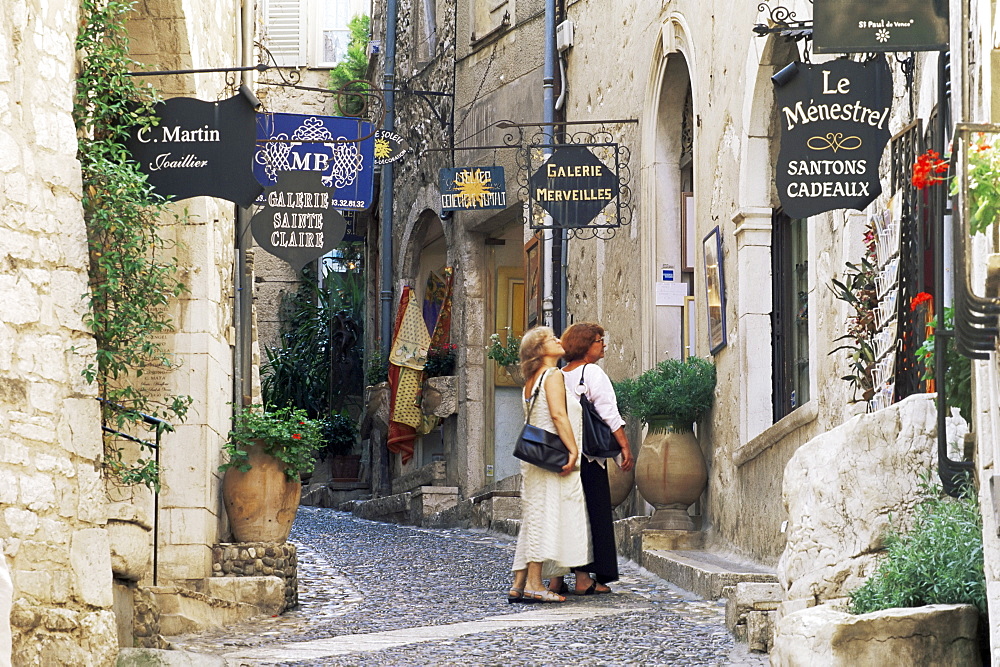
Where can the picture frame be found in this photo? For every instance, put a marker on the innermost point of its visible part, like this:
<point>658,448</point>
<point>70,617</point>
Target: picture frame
<point>690,328</point>
<point>510,313</point>
<point>688,252</point>
<point>715,290</point>
<point>532,283</point>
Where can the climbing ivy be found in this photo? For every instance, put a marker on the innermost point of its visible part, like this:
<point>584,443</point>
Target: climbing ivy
<point>132,274</point>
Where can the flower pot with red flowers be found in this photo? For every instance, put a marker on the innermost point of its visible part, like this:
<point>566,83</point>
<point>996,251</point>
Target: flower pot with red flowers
<point>268,451</point>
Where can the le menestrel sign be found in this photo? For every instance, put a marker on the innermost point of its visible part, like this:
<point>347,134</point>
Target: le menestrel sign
<point>875,26</point>
<point>297,222</point>
<point>834,127</point>
<point>199,149</point>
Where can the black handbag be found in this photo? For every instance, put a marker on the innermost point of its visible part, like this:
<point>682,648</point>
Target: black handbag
<point>538,446</point>
<point>598,442</point>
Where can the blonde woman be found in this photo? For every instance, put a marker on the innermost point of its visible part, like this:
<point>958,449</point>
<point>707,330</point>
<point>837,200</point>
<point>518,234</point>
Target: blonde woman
<point>553,510</point>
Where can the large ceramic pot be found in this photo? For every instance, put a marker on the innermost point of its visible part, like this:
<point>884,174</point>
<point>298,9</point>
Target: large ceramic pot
<point>514,371</point>
<point>671,475</point>
<point>260,502</point>
<point>621,483</point>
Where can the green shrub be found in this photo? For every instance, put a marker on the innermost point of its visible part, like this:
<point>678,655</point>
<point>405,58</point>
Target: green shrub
<point>939,561</point>
<point>680,391</point>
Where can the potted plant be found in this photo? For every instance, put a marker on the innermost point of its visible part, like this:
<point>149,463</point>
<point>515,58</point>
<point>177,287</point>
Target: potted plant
<point>670,470</point>
<point>340,435</point>
<point>507,353</point>
<point>268,451</point>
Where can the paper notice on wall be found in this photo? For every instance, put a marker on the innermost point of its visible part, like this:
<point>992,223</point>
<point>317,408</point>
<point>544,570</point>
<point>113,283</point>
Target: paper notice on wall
<point>671,293</point>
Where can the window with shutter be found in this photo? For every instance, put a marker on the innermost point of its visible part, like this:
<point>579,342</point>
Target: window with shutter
<point>286,31</point>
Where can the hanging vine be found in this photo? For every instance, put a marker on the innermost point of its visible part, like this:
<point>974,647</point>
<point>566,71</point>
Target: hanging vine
<point>132,273</point>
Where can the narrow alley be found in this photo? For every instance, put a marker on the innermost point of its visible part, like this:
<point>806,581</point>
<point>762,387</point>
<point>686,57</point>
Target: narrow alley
<point>381,594</point>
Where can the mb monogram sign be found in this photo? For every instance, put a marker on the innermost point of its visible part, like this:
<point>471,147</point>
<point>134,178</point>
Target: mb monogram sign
<point>834,127</point>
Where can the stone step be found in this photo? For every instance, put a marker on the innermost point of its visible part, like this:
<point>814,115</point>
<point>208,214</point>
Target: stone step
<point>703,573</point>
<point>413,508</point>
<point>183,610</point>
<point>148,657</point>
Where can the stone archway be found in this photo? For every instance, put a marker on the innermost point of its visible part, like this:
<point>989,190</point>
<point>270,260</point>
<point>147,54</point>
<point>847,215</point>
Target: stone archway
<point>669,169</point>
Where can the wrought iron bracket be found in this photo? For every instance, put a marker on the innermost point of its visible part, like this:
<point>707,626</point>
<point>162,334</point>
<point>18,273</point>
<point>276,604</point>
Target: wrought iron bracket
<point>781,21</point>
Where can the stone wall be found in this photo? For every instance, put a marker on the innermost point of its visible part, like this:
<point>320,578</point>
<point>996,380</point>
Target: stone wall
<point>52,507</point>
<point>259,559</point>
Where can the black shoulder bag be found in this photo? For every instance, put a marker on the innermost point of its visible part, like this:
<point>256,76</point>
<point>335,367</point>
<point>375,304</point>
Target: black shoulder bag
<point>597,439</point>
<point>539,447</point>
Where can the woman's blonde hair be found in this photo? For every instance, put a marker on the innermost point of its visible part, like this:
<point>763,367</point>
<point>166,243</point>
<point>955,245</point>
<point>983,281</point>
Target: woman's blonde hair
<point>531,350</point>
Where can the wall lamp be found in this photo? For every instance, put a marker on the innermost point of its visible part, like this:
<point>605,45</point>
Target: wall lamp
<point>785,74</point>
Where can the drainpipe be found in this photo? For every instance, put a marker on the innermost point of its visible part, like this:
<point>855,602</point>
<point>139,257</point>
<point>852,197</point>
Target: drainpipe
<point>389,84</point>
<point>243,303</point>
<point>552,244</point>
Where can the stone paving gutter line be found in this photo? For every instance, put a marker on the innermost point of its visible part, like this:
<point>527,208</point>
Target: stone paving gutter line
<point>377,641</point>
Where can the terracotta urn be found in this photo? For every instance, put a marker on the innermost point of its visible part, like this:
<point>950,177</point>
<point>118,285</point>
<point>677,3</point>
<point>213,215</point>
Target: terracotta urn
<point>621,483</point>
<point>671,475</point>
<point>260,502</point>
<point>514,371</point>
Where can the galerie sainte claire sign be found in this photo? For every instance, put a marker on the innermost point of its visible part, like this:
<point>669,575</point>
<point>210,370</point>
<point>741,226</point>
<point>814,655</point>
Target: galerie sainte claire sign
<point>297,222</point>
<point>573,185</point>
<point>472,188</point>
<point>876,26</point>
<point>834,127</point>
<point>199,149</point>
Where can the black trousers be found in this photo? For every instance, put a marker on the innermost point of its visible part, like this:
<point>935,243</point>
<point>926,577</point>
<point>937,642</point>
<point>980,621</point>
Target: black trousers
<point>604,567</point>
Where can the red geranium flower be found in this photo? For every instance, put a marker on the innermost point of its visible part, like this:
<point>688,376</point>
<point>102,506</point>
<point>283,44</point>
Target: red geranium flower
<point>926,168</point>
<point>296,436</point>
<point>920,298</point>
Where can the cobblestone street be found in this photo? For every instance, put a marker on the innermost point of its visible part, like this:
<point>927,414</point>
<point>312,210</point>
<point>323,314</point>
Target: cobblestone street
<point>381,594</point>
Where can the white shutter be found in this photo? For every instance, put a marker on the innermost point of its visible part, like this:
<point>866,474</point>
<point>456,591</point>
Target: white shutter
<point>286,31</point>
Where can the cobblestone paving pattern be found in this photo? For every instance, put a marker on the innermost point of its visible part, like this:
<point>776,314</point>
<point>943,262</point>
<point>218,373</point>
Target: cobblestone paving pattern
<point>358,577</point>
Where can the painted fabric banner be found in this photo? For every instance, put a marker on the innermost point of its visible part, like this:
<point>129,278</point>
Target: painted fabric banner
<point>342,149</point>
<point>834,127</point>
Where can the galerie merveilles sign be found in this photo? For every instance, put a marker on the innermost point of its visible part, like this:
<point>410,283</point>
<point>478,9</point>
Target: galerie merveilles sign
<point>834,126</point>
<point>573,185</point>
<point>341,149</point>
<point>199,148</point>
<point>296,222</point>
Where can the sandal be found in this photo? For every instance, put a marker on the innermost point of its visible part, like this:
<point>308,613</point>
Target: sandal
<point>593,590</point>
<point>542,596</point>
<point>515,595</point>
<point>563,589</point>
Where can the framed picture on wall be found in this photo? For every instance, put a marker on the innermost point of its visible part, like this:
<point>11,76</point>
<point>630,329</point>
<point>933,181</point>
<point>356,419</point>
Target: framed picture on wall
<point>715,291</point>
<point>533,283</point>
<point>510,313</point>
<point>688,241</point>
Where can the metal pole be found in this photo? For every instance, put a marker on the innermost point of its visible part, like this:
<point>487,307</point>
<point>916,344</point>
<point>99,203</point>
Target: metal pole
<point>552,245</point>
<point>389,80</point>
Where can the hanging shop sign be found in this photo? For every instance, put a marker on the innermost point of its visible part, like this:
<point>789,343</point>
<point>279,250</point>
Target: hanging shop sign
<point>341,149</point>
<point>296,221</point>
<point>867,26</point>
<point>389,147</point>
<point>573,186</point>
<point>199,149</point>
<point>834,127</point>
<point>472,188</point>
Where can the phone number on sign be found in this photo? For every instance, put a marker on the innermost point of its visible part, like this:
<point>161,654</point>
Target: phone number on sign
<point>347,203</point>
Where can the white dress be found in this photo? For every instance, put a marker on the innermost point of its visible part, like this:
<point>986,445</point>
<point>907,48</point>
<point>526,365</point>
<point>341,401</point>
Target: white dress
<point>554,526</point>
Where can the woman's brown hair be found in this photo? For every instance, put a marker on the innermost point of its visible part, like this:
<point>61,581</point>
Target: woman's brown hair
<point>578,338</point>
<point>531,350</point>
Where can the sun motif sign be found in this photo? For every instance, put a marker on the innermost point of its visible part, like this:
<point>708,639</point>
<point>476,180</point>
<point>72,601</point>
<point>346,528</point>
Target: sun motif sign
<point>472,188</point>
